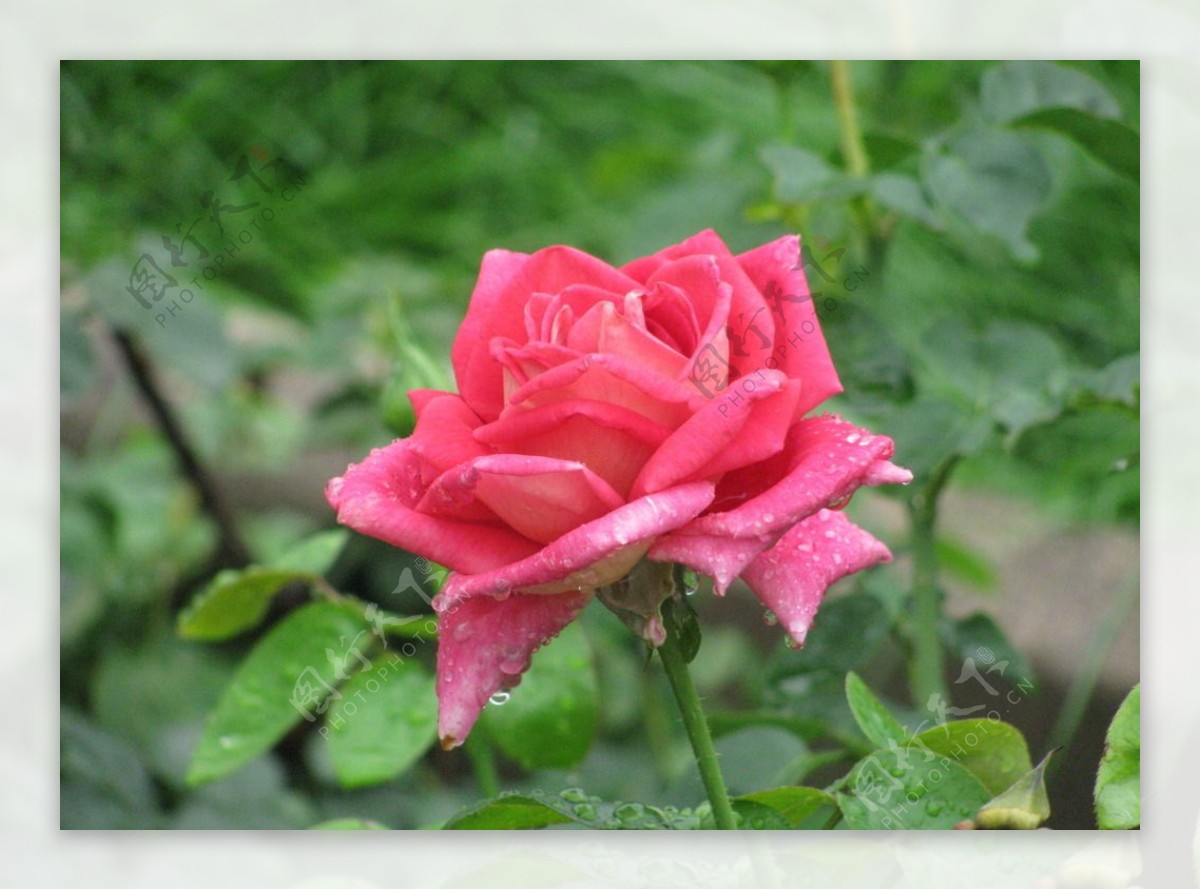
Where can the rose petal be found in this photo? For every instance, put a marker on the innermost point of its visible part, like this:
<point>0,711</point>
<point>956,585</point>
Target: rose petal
<point>602,329</point>
<point>751,325</point>
<point>613,441</point>
<point>791,578</point>
<point>445,435</point>
<point>576,560</point>
<point>377,497</point>
<point>614,380</point>
<point>800,351</point>
<point>497,309</point>
<point>485,644</point>
<point>744,424</point>
<point>539,497</point>
<point>824,461</point>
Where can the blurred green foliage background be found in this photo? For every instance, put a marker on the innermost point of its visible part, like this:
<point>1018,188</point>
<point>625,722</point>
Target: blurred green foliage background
<point>979,281</point>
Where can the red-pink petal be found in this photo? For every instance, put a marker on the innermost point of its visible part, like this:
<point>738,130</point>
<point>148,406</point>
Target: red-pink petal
<point>744,424</point>
<point>485,644</point>
<point>378,496</point>
<point>497,309</point>
<point>538,497</point>
<point>445,435</point>
<point>614,380</point>
<point>604,329</point>
<point>799,349</point>
<point>613,441</point>
<point>752,328</point>
<point>791,578</point>
<point>577,560</point>
<point>824,462</point>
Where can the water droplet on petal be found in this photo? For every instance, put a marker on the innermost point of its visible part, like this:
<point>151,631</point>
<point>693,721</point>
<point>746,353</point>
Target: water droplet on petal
<point>770,618</point>
<point>499,698</point>
<point>792,642</point>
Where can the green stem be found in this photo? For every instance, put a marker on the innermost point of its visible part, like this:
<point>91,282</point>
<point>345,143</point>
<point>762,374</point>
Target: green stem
<point>853,149</point>
<point>483,762</point>
<point>697,729</point>
<point>854,153</point>
<point>926,670</point>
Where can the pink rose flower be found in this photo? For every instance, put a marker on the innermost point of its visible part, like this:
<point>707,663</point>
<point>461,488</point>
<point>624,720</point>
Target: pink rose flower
<point>603,415</point>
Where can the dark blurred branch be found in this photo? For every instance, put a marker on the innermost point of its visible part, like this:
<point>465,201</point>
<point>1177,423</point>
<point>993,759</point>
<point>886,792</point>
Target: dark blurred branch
<point>232,550</point>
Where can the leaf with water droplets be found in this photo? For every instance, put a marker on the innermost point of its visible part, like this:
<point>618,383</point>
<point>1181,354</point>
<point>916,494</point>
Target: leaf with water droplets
<point>539,809</point>
<point>872,717</point>
<point>287,677</point>
<point>795,807</point>
<point>993,751</point>
<point>384,721</point>
<point>905,788</point>
<point>549,720</point>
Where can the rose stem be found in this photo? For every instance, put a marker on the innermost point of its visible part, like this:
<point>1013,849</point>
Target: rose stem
<point>854,150</point>
<point>697,729</point>
<point>926,669</point>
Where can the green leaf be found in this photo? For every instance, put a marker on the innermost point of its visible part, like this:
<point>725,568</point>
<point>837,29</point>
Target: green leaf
<point>993,751</point>
<point>978,637</point>
<point>349,825</point>
<point>539,809</point>
<point>549,721</point>
<point>288,676</point>
<point>103,782</point>
<point>860,617</point>
<point>904,195</point>
<point>1108,141</point>
<point>512,811</point>
<point>1014,89</point>
<point>314,555</point>
<point>965,563</point>
<point>384,721</point>
<point>931,429</point>
<point>753,757</point>
<point>872,717</point>
<point>235,601</point>
<point>1023,806</point>
<point>798,807</point>
<point>1117,382</point>
<point>1119,780</point>
<point>802,176</point>
<point>994,180</point>
<point>135,692</point>
<point>905,789</point>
